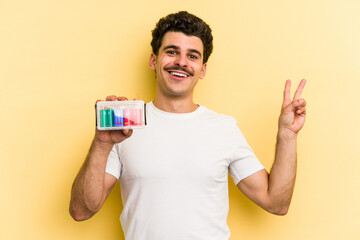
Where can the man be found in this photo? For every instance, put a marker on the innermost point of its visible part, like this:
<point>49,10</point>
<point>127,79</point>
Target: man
<point>173,173</point>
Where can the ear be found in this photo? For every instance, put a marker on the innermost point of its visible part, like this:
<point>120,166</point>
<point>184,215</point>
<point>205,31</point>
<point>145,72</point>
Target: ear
<point>203,71</point>
<point>152,61</point>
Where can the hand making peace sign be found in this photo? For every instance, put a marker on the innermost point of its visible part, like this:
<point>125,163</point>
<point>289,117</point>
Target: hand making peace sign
<point>293,112</point>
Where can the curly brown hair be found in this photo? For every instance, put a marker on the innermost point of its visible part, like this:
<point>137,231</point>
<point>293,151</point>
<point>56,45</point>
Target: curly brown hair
<point>186,23</point>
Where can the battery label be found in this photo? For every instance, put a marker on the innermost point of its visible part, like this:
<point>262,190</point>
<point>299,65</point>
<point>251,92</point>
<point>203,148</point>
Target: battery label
<point>118,118</point>
<point>127,117</point>
<point>136,117</point>
<point>106,116</point>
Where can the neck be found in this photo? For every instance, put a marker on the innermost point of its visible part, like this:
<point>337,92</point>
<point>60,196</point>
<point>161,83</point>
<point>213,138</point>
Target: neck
<point>175,105</point>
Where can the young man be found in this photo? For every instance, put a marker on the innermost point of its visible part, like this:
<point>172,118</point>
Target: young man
<point>173,173</point>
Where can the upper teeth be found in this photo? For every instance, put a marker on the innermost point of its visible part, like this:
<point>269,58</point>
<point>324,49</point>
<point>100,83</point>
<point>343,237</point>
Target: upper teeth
<point>179,74</point>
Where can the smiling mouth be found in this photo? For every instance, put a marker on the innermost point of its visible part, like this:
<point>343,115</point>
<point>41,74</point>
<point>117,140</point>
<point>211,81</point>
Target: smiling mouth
<point>178,71</point>
<point>177,74</point>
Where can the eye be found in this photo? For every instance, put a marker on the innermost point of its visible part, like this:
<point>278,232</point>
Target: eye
<point>193,56</point>
<point>171,52</point>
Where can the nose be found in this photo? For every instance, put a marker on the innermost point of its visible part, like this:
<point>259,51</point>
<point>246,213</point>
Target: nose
<point>181,60</point>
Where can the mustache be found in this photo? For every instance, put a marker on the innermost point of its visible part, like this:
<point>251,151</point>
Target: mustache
<point>179,68</point>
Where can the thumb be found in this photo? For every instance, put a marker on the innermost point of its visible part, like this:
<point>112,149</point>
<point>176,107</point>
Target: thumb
<point>294,104</point>
<point>127,132</point>
<point>298,103</point>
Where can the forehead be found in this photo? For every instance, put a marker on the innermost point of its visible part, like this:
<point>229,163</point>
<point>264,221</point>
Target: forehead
<point>183,41</point>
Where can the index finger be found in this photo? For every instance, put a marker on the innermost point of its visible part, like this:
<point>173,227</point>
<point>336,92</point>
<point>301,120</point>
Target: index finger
<point>299,90</point>
<point>287,99</point>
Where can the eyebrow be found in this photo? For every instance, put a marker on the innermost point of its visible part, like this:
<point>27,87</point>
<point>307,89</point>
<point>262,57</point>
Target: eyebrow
<point>177,48</point>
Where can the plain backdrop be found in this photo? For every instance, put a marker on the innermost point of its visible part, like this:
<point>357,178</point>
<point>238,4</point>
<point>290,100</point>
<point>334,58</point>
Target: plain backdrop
<point>58,57</point>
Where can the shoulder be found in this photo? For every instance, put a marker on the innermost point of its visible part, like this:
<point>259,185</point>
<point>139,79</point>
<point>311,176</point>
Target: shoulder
<point>219,117</point>
<point>223,126</point>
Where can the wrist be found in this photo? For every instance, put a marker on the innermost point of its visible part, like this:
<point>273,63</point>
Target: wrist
<point>104,146</point>
<point>286,134</point>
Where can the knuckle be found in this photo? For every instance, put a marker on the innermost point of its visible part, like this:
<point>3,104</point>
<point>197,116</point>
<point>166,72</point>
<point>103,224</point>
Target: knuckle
<point>122,98</point>
<point>110,98</point>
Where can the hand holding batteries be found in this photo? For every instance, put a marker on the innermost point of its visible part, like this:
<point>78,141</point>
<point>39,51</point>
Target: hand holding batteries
<point>112,136</point>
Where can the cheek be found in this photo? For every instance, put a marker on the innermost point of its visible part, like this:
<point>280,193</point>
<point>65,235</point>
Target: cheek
<point>198,70</point>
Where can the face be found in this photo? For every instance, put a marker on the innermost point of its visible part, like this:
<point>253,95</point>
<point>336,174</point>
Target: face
<point>178,65</point>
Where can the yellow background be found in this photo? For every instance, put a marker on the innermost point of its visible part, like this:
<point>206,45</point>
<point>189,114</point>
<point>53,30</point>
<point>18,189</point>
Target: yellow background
<point>58,57</point>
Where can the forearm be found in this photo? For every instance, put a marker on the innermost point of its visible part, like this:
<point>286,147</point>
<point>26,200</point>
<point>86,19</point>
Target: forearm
<point>283,173</point>
<point>273,191</point>
<point>87,193</point>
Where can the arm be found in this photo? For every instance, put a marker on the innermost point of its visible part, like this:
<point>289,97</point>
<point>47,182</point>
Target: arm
<point>92,184</point>
<point>273,191</point>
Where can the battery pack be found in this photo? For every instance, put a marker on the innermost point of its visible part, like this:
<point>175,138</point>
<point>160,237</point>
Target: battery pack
<point>116,115</point>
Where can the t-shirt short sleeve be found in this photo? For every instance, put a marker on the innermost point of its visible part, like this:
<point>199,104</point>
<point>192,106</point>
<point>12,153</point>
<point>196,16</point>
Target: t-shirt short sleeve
<point>243,162</point>
<point>113,164</point>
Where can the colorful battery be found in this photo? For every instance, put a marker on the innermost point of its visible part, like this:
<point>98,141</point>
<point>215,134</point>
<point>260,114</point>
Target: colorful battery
<point>107,118</point>
<point>127,117</point>
<point>118,117</point>
<point>136,117</point>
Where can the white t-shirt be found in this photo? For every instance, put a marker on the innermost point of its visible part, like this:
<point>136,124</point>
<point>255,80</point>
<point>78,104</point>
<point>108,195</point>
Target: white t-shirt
<point>174,175</point>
